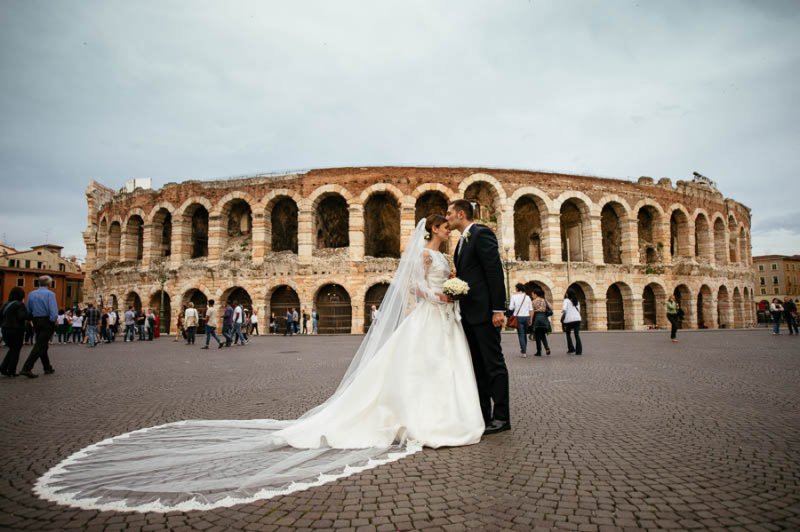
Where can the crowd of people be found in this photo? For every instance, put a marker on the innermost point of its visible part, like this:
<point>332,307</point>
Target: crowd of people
<point>784,311</point>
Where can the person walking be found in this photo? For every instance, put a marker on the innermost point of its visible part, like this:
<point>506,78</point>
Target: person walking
<point>238,319</point>
<point>92,322</point>
<point>227,323</point>
<point>113,325</point>
<point>12,323</point>
<point>179,330</point>
<point>571,319</point>
<point>314,321</point>
<point>541,310</point>
<point>296,321</point>
<point>104,327</point>
<point>44,310</point>
<point>190,320</point>
<point>776,311</point>
<point>305,321</point>
<point>289,324</point>
<point>789,312</point>
<point>61,327</point>
<point>254,323</point>
<point>673,315</point>
<point>77,327</point>
<point>273,324</point>
<point>211,325</point>
<point>130,325</point>
<point>520,307</point>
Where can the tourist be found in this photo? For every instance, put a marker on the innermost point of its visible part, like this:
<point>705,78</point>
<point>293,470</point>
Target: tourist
<point>789,313</point>
<point>44,310</point>
<point>296,321</point>
<point>520,308</point>
<point>314,321</point>
<point>61,326</point>
<point>305,321</point>
<point>273,323</point>
<point>211,325</point>
<point>673,316</point>
<point>541,311</point>
<point>289,324</point>
<point>113,325</point>
<point>12,322</point>
<point>92,318</point>
<point>776,311</point>
<point>190,320</point>
<point>238,318</point>
<point>227,323</point>
<point>571,319</point>
<point>77,327</point>
<point>254,323</point>
<point>151,325</point>
<point>130,324</point>
<point>179,331</point>
<point>104,330</point>
<point>141,324</point>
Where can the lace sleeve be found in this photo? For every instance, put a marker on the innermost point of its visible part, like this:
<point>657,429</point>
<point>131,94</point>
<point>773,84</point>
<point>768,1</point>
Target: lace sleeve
<point>423,288</point>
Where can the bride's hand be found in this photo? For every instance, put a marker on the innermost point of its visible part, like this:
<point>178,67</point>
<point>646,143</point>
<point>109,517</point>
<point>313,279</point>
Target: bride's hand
<point>453,274</point>
<point>444,298</point>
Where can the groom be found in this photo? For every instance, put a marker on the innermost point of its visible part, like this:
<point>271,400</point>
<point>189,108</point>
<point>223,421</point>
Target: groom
<point>477,260</point>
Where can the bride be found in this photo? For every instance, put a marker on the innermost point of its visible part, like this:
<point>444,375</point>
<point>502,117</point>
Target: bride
<point>411,384</point>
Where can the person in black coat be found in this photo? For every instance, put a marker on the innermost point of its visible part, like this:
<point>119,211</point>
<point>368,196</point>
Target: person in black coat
<point>477,260</point>
<point>13,316</point>
<point>789,312</point>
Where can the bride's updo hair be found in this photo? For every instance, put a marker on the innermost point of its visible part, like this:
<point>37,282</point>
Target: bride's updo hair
<point>434,220</point>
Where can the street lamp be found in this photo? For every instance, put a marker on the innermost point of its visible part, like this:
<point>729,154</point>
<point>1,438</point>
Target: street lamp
<point>507,267</point>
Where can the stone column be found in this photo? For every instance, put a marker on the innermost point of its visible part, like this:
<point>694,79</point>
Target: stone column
<point>506,237</point>
<point>181,242</point>
<point>662,236</point>
<point>150,245</point>
<point>407,224</point>
<point>593,250</point>
<point>630,241</point>
<point>551,238</point>
<point>598,316</point>
<point>217,235</point>
<point>636,312</point>
<point>357,317</point>
<point>305,235</point>
<point>710,313</point>
<point>258,236</point>
<point>356,234</point>
<point>690,313</point>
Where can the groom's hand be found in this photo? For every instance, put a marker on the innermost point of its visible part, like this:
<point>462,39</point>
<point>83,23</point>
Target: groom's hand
<point>498,319</point>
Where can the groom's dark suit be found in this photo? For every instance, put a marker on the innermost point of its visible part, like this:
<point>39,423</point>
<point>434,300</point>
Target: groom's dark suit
<point>478,263</point>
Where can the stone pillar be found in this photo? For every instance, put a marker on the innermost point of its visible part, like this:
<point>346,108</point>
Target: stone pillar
<point>407,224</point>
<point>630,241</point>
<point>505,238</point>
<point>598,317</point>
<point>690,313</point>
<point>258,236</point>
<point>151,246</point>
<point>357,317</point>
<point>662,236</point>
<point>710,313</point>
<point>551,238</point>
<point>305,235</point>
<point>636,313</point>
<point>217,235</point>
<point>356,234</point>
<point>593,250</point>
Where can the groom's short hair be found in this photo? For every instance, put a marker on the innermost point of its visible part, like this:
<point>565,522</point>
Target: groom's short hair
<point>465,207</point>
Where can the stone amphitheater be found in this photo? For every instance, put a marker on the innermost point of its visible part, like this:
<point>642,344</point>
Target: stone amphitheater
<point>331,239</point>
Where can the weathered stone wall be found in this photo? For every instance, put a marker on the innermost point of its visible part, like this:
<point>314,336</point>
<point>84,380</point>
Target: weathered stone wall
<point>312,232</point>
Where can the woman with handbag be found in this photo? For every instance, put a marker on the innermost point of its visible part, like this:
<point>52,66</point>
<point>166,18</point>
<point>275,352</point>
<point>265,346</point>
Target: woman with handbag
<point>541,320</point>
<point>520,309</point>
<point>673,315</point>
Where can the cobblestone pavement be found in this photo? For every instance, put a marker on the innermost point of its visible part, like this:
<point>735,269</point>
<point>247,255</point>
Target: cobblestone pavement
<point>636,433</point>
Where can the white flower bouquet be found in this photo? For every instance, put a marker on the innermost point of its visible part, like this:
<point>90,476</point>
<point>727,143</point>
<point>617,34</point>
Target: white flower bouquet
<point>455,288</point>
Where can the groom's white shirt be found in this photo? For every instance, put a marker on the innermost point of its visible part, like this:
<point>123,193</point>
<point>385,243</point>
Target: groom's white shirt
<point>458,249</point>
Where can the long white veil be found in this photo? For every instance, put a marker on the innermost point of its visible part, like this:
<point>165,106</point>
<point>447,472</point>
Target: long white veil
<point>204,464</point>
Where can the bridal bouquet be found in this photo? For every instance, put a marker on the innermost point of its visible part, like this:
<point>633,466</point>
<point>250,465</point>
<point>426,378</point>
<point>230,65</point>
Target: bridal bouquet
<point>455,288</point>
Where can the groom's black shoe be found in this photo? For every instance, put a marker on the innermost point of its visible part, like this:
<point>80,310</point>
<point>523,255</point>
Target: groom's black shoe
<point>497,425</point>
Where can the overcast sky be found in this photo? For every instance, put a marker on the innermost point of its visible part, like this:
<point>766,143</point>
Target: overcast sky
<point>196,90</point>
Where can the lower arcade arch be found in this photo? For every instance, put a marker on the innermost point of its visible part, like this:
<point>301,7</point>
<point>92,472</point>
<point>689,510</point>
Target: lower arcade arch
<point>335,310</point>
<point>683,297</point>
<point>582,290</point>
<point>282,301</point>
<point>374,296</point>
<point>197,298</point>
<point>133,300</point>
<point>164,312</point>
<point>705,308</point>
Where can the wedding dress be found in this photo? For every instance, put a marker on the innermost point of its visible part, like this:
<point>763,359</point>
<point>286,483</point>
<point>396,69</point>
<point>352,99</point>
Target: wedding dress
<point>410,384</point>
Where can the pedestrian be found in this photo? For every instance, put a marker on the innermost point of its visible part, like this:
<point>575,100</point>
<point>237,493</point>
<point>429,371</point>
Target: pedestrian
<point>289,324</point>
<point>373,314</point>
<point>776,311</point>
<point>113,325</point>
<point>44,310</point>
<point>13,315</point>
<point>227,323</point>
<point>520,309</point>
<point>130,324</point>
<point>571,320</point>
<point>238,318</point>
<point>104,332</point>
<point>273,323</point>
<point>314,321</point>
<point>141,324</point>
<point>673,315</point>
<point>77,327</point>
<point>92,318</point>
<point>305,322</point>
<point>541,310</point>
<point>61,326</point>
<point>789,312</point>
<point>190,321</point>
<point>151,325</point>
<point>179,331</point>
<point>254,323</point>
<point>211,325</point>
<point>296,321</point>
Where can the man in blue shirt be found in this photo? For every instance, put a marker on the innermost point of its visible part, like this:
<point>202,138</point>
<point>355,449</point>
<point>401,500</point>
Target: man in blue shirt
<point>44,309</point>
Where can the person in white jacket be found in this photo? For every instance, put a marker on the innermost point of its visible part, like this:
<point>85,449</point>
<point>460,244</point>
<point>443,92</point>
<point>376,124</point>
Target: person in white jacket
<point>571,318</point>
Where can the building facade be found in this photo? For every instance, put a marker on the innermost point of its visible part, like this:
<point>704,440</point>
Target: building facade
<point>23,269</point>
<point>331,239</point>
<point>777,276</point>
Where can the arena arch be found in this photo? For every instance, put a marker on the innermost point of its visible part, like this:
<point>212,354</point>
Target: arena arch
<point>282,222</point>
<point>164,314</point>
<point>132,299</point>
<point>374,296</point>
<point>683,297</point>
<point>724,314</point>
<point>432,202</point>
<point>102,239</point>
<point>738,308</point>
<point>679,229</point>
<point>282,299</point>
<point>240,295</point>
<point>585,295</point>
<point>487,197</point>
<point>331,221</point>
<point>705,308</point>
<point>382,225</point>
<point>539,283</point>
<point>114,241</point>
<point>703,241</point>
<point>619,298</point>
<point>613,230</point>
<point>576,229</point>
<point>654,306</point>
<point>236,216</point>
<point>530,212</point>
<point>648,223</point>
<point>733,241</point>
<point>161,240</point>
<point>333,304</point>
<point>720,246</point>
<point>198,298</point>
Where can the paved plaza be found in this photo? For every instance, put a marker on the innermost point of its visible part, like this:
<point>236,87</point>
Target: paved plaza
<point>638,433</point>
